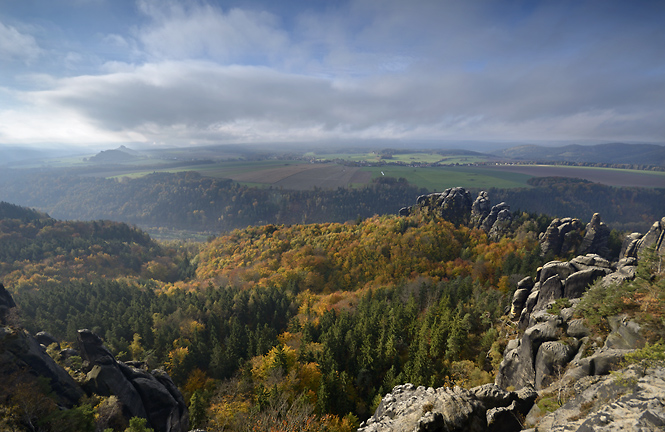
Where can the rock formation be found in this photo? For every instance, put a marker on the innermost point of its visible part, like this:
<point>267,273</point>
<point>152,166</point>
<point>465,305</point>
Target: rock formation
<point>455,205</point>
<point>148,395</point>
<point>596,238</point>
<point>152,396</point>
<point>21,353</point>
<point>635,245</point>
<point>480,409</point>
<point>6,304</point>
<point>631,400</point>
<point>562,236</point>
<point>569,236</point>
<point>559,279</point>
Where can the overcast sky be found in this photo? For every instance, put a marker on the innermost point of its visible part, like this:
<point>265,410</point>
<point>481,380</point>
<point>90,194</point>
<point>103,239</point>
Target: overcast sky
<point>189,72</point>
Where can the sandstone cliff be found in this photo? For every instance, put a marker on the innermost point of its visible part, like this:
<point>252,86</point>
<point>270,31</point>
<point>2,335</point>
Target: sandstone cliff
<point>457,206</point>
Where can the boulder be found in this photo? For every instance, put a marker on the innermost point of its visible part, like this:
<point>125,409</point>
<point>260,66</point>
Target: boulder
<point>655,239</point>
<point>577,329</point>
<point>152,396</point>
<point>483,408</point>
<point>92,348</point>
<point>583,262</point>
<point>577,283</point>
<point>625,334</point>
<point>563,269</point>
<point>519,299</point>
<point>20,352</point>
<point>551,362</point>
<point>46,339</point>
<point>550,290</point>
<point>107,380</point>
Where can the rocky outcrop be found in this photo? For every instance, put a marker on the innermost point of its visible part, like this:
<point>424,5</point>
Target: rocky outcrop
<point>564,279</point>
<point>150,395</point>
<point>484,408</point>
<point>553,343</point>
<point>561,237</point>
<point>569,236</point>
<point>455,205</point>
<point>631,400</point>
<point>636,245</point>
<point>596,238</point>
<point>557,347</point>
<point>6,304</point>
<point>20,353</point>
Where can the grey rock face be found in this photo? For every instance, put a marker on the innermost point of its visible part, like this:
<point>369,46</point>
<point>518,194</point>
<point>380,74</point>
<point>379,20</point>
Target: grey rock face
<point>655,238</point>
<point>632,400</point>
<point>21,352</point>
<point>551,289</point>
<point>579,282</point>
<point>629,245</point>
<point>46,339</point>
<point>455,205</point>
<point>152,396</point>
<point>552,343</point>
<point>551,361</point>
<point>483,408</point>
<point>596,238</point>
<point>480,209</point>
<point>561,237</point>
<point>6,303</point>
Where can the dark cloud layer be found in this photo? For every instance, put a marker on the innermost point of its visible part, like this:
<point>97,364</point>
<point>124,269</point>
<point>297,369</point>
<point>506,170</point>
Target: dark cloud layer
<point>195,72</point>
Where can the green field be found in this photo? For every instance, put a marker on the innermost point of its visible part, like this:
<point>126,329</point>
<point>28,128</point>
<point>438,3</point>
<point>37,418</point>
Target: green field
<point>334,170</point>
<point>440,178</point>
<point>406,158</point>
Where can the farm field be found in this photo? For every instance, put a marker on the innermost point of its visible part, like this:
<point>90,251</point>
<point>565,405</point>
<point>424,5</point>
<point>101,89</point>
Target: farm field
<point>607,176</point>
<point>302,175</point>
<point>406,158</point>
<point>440,178</point>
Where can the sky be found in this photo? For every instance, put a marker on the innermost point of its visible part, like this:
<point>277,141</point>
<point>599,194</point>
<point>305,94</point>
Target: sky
<point>99,73</point>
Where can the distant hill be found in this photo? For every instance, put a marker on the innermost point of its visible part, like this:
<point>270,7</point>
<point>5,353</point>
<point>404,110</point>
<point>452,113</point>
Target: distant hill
<point>120,155</point>
<point>11,211</point>
<point>614,153</point>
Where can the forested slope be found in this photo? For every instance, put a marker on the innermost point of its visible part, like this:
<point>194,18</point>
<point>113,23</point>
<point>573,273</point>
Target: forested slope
<point>188,201</point>
<point>624,209</point>
<point>314,322</point>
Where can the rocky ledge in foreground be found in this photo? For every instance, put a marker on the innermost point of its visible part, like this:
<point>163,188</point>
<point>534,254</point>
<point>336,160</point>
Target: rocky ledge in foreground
<point>149,395</point>
<point>632,399</point>
<point>486,408</point>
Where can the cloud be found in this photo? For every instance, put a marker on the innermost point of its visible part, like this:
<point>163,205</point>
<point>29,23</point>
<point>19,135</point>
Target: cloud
<point>17,46</point>
<point>366,69</point>
<point>202,31</point>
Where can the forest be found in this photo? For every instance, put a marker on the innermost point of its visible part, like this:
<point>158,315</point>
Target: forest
<point>303,321</point>
<point>304,308</point>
